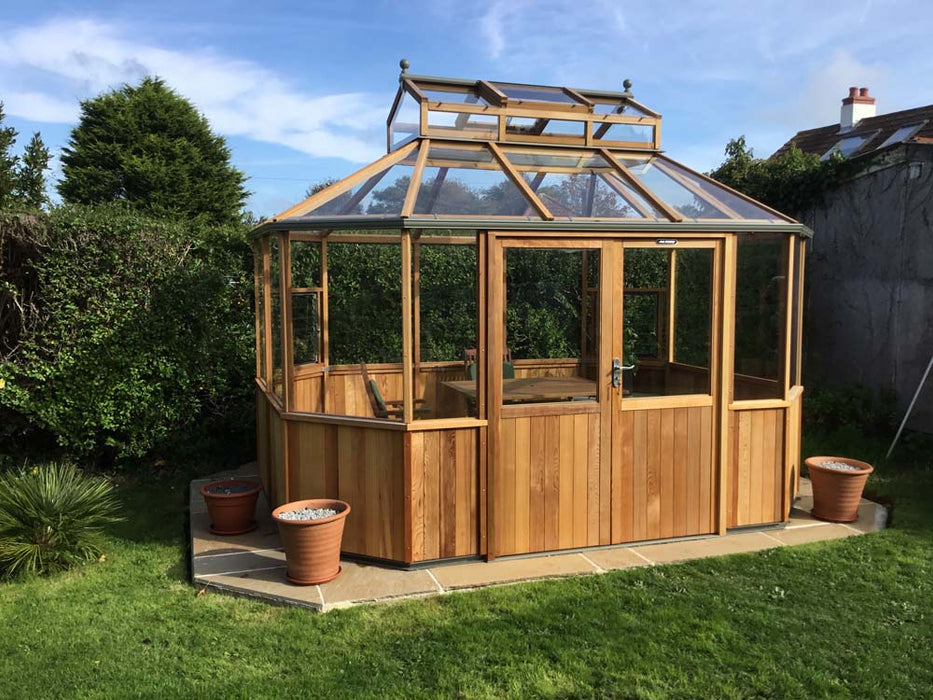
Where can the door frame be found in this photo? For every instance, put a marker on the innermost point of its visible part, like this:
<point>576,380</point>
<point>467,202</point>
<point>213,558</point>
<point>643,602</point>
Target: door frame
<point>609,403</point>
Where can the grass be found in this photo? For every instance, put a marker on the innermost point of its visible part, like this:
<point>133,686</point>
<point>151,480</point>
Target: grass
<point>847,618</point>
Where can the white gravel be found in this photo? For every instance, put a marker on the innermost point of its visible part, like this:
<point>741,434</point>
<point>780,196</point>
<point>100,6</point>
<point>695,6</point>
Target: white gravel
<point>839,466</point>
<point>308,514</point>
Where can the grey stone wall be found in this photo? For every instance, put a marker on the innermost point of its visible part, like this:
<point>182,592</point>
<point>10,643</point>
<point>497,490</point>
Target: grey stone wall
<point>869,316</point>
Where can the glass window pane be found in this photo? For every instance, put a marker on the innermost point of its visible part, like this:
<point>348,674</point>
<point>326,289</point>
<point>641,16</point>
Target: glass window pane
<point>446,286</point>
<point>531,126</point>
<point>306,328</point>
<point>468,182</point>
<point>275,302</point>
<point>547,317</point>
<point>620,106</point>
<point>463,125</point>
<point>406,124</point>
<point>795,359</point>
<point>693,322</point>
<point>645,282</point>
<point>306,264</point>
<point>760,305</point>
<point>383,193</point>
<point>630,133</point>
<point>260,302</point>
<point>364,303</point>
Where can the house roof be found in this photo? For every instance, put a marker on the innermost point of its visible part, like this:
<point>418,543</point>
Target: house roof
<point>875,130</point>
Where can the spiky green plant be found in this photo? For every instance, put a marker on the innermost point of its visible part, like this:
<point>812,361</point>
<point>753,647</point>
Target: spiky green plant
<point>52,517</point>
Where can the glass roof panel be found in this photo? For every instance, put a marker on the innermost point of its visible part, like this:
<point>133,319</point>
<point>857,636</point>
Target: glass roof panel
<point>578,184</point>
<point>459,181</point>
<point>535,94</point>
<point>742,207</point>
<point>406,123</point>
<point>383,193</point>
<point>619,106</point>
<point>672,192</point>
<point>466,95</point>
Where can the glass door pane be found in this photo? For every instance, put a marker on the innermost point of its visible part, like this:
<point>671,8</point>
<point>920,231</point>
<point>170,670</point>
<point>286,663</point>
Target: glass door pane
<point>551,325</point>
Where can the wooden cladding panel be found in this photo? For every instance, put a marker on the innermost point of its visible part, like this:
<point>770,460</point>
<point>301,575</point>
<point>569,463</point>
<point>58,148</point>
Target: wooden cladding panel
<point>756,467</point>
<point>362,466</point>
<point>370,479</point>
<point>262,441</point>
<point>545,488</point>
<point>792,437</point>
<point>278,468</point>
<point>444,496</point>
<point>312,460</point>
<point>663,482</point>
<point>307,396</point>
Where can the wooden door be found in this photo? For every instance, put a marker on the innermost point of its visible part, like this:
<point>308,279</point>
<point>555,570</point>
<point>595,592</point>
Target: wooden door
<point>549,426</point>
<point>663,424</point>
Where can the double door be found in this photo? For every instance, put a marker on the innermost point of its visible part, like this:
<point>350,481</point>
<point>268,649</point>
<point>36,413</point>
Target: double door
<point>603,361</point>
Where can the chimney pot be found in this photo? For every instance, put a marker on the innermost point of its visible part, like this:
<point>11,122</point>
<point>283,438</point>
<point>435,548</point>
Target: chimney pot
<point>857,106</point>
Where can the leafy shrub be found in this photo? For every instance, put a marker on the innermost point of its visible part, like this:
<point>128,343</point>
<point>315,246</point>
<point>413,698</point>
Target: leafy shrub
<point>52,517</point>
<point>131,332</point>
<point>853,407</point>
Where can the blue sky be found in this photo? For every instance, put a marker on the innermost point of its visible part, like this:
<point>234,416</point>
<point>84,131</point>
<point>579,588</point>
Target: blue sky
<point>301,90</point>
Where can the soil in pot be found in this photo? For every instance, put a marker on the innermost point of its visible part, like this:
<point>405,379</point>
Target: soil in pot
<point>838,483</point>
<point>231,504</point>
<point>312,532</point>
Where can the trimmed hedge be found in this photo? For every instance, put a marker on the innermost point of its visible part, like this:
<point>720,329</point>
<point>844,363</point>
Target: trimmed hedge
<point>122,334</point>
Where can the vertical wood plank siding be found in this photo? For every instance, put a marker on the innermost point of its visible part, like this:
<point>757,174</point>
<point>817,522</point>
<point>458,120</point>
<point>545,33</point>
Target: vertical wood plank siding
<point>756,467</point>
<point>667,474</point>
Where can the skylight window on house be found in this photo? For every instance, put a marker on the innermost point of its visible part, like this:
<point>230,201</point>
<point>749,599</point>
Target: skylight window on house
<point>902,134</point>
<point>846,147</point>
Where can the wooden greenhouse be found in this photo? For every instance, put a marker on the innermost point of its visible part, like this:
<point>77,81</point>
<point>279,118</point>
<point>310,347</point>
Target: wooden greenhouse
<point>527,329</point>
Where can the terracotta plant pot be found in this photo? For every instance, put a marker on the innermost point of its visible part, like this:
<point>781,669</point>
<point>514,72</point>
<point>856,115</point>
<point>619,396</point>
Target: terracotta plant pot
<point>312,547</point>
<point>836,493</point>
<point>231,513</point>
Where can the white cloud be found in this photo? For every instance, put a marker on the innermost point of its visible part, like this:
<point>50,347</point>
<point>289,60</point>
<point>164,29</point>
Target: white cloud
<point>62,60</point>
<point>40,107</point>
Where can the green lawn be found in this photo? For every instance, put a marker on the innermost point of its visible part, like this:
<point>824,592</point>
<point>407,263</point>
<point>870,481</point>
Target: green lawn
<point>849,618</point>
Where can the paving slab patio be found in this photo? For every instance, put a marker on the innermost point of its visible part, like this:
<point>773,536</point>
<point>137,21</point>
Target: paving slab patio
<point>253,564</point>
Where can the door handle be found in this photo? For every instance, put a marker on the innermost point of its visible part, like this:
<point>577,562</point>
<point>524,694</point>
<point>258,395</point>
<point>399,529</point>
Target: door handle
<point>616,372</point>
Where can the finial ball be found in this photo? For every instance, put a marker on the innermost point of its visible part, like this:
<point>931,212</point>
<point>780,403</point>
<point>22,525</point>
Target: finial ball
<point>404,64</point>
<point>627,84</point>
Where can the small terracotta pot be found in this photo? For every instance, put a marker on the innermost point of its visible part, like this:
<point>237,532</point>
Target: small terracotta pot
<point>836,494</point>
<point>312,547</point>
<point>232,513</point>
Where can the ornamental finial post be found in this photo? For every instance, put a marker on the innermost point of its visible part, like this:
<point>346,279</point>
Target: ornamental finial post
<point>627,86</point>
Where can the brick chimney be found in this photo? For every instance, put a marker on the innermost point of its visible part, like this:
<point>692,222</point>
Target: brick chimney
<point>856,107</point>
